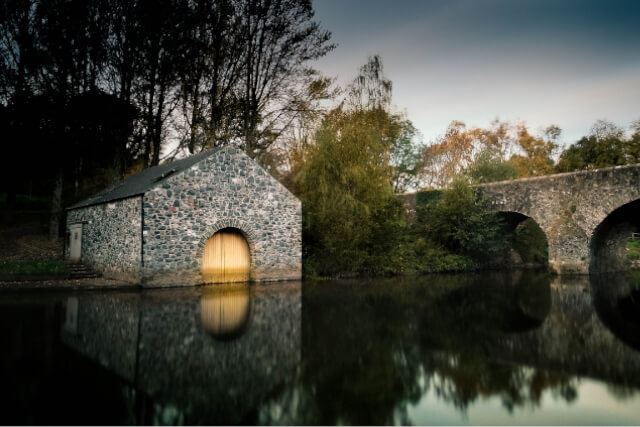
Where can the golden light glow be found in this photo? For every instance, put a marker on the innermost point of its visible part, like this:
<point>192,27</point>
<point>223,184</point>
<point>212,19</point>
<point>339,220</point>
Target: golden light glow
<point>225,310</point>
<point>226,258</point>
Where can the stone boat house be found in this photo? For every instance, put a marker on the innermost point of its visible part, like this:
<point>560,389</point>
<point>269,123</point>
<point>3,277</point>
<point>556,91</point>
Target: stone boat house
<point>213,217</point>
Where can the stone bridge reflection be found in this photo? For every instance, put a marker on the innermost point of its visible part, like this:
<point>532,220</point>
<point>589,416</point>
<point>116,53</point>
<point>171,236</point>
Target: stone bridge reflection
<point>462,339</point>
<point>599,343</point>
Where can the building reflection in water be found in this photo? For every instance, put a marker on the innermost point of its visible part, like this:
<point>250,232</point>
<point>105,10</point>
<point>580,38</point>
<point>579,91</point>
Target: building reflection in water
<point>211,353</point>
<point>225,309</point>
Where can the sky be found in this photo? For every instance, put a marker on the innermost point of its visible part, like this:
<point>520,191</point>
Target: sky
<point>562,62</point>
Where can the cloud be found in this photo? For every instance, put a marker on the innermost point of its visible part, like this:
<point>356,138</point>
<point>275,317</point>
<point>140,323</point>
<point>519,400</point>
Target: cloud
<point>543,61</point>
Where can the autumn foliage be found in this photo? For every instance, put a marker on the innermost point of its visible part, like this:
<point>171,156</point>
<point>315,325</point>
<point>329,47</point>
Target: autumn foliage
<point>507,145</point>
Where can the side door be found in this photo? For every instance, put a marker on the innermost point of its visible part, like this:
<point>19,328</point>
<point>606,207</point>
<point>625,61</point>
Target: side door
<point>75,246</point>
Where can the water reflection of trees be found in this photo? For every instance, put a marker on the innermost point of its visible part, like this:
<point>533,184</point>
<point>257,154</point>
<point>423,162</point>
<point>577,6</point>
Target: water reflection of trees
<point>371,351</point>
<point>461,380</point>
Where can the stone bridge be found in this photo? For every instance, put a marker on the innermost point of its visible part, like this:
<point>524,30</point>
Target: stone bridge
<point>587,216</point>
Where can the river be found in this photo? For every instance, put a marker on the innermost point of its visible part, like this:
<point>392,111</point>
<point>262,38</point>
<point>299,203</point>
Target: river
<point>491,348</point>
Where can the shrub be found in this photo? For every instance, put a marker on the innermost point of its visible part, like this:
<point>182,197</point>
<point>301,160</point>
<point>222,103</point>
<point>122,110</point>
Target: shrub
<point>464,224</point>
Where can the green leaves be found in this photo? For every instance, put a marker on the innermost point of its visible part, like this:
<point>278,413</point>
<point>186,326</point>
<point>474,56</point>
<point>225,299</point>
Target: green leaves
<point>488,166</point>
<point>352,221</point>
<point>606,145</point>
<point>464,223</point>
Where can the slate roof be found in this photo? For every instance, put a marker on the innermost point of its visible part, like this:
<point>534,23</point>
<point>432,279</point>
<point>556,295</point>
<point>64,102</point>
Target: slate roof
<point>143,181</point>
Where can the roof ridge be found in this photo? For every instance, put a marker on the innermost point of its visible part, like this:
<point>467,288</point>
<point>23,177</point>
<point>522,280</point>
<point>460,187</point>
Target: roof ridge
<point>144,180</point>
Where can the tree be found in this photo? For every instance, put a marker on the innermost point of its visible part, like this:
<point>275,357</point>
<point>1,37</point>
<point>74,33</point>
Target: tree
<point>280,38</point>
<point>605,145</point>
<point>571,159</point>
<point>488,166</point>
<point>246,79</point>
<point>345,185</point>
<point>360,95</point>
<point>210,72</point>
<point>55,60</point>
<point>535,158</point>
<point>209,102</point>
<point>465,224</point>
<point>456,150</point>
<point>633,145</point>
<point>163,24</point>
<point>19,51</point>
<point>99,126</point>
<point>284,158</point>
<point>370,89</point>
<point>460,147</point>
<point>406,159</point>
<point>450,155</point>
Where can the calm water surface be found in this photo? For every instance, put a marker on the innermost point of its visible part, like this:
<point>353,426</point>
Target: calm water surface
<point>518,348</point>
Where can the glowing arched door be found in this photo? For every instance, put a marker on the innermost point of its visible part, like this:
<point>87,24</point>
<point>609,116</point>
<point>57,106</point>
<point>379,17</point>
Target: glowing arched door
<point>226,258</point>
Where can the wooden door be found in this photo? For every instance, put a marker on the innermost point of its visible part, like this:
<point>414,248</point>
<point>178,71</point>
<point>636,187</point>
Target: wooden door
<point>226,258</point>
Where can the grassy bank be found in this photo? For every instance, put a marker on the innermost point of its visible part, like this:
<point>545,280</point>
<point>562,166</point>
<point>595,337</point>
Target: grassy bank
<point>25,248</point>
<point>52,267</point>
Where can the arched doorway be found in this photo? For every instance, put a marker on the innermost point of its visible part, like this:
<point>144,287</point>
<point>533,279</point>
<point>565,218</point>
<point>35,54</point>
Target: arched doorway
<point>226,257</point>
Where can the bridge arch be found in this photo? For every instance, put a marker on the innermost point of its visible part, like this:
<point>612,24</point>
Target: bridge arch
<point>608,244</point>
<point>528,240</point>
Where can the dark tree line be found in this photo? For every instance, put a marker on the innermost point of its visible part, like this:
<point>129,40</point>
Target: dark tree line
<point>93,89</point>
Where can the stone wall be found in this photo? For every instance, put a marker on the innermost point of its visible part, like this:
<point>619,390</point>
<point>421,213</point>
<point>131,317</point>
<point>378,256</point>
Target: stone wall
<point>569,208</point>
<point>111,237</point>
<point>227,189</point>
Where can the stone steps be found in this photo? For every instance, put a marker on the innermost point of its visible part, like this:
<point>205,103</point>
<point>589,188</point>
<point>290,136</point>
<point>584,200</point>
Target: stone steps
<point>77,270</point>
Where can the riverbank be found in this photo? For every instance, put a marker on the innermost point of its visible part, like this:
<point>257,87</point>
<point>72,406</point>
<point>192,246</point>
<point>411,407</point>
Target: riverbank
<point>30,262</point>
<point>64,285</point>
